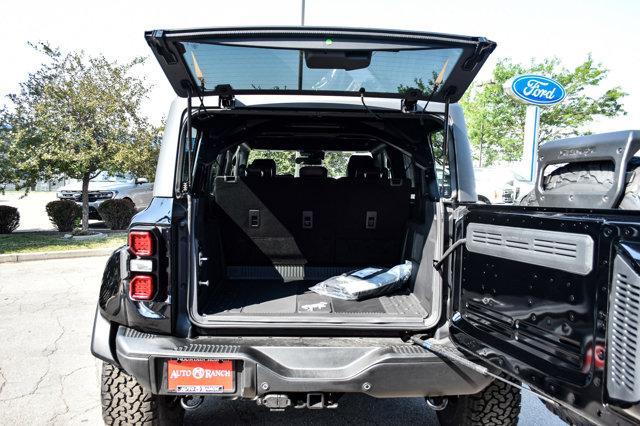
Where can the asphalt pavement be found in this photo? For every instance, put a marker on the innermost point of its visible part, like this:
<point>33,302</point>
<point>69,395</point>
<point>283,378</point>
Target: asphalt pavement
<point>48,375</point>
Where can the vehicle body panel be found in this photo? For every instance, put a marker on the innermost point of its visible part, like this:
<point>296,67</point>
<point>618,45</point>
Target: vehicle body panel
<point>379,367</point>
<point>534,319</point>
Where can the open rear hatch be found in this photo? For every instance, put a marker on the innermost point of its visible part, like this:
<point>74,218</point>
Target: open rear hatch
<point>225,62</point>
<point>323,61</point>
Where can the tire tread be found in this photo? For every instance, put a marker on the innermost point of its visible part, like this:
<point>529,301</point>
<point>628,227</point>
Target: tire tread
<point>126,402</point>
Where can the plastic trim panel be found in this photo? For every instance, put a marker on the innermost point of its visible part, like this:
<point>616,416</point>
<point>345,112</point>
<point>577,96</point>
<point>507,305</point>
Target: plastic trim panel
<point>559,250</point>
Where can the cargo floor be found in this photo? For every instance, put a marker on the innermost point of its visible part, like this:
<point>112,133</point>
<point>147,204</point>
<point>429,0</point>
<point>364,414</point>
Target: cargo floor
<point>275,297</point>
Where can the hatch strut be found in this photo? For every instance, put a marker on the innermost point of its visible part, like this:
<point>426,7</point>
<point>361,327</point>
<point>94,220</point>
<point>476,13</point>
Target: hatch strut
<point>191,159</point>
<point>445,351</point>
<point>445,140</point>
<point>187,184</point>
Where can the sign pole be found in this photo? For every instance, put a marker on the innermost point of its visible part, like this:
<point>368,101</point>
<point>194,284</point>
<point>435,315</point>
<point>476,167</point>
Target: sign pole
<point>534,91</point>
<point>530,148</point>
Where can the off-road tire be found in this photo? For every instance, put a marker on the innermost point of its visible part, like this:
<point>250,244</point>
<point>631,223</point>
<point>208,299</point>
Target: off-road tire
<point>596,174</point>
<point>496,405</point>
<point>125,402</point>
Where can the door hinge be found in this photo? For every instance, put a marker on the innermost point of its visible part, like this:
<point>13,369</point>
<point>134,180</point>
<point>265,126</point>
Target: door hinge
<point>160,44</point>
<point>410,100</point>
<point>483,49</point>
<point>226,97</point>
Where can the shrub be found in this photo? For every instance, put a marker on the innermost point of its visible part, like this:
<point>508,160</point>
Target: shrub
<point>64,214</point>
<point>117,214</point>
<point>9,219</point>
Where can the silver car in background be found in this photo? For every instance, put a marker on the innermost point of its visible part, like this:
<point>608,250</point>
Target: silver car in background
<point>107,186</point>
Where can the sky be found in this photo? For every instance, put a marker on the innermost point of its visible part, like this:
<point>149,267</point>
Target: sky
<point>568,29</point>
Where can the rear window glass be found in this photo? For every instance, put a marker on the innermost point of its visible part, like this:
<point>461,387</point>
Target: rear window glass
<point>334,161</point>
<point>256,68</point>
<point>285,160</point>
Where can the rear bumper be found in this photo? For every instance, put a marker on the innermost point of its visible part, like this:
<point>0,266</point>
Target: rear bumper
<point>380,367</point>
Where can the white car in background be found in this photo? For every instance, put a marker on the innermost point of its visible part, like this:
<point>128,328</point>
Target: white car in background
<point>500,185</point>
<point>107,186</point>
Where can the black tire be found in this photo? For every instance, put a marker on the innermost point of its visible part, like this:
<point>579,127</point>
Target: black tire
<point>131,201</point>
<point>125,402</point>
<point>596,174</point>
<point>496,405</point>
<point>484,200</point>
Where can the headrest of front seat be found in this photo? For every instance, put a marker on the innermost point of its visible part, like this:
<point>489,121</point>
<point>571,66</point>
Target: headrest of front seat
<point>313,172</point>
<point>261,167</point>
<point>358,162</point>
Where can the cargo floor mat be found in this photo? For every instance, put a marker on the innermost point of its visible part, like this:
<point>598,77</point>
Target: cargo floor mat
<point>294,298</point>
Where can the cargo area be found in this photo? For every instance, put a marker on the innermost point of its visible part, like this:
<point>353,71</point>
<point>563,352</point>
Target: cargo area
<point>266,231</point>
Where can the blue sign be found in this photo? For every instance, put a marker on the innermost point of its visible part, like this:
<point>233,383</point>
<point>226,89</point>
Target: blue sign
<point>535,89</point>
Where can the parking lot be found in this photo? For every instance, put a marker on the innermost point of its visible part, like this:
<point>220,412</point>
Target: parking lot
<point>48,376</point>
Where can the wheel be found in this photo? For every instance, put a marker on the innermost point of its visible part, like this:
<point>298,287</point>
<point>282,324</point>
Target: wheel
<point>596,174</point>
<point>131,201</point>
<point>496,405</point>
<point>483,200</point>
<point>126,402</point>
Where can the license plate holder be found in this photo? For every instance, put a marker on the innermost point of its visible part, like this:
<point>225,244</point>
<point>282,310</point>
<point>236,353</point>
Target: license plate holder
<point>201,376</point>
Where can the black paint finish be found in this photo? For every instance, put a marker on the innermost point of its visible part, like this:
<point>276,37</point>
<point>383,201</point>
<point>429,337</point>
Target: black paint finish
<point>536,323</point>
<point>155,315</point>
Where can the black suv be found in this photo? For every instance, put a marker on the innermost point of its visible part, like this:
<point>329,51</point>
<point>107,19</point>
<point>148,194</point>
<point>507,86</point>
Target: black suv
<point>296,154</point>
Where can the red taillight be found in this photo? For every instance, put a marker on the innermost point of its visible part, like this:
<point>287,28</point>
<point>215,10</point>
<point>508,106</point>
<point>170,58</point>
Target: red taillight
<point>141,243</point>
<point>141,287</point>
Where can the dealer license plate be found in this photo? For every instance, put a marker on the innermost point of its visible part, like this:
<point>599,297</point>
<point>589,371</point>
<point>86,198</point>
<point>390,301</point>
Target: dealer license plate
<point>200,376</point>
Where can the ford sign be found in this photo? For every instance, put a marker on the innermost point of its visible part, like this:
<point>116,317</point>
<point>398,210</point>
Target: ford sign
<point>535,89</point>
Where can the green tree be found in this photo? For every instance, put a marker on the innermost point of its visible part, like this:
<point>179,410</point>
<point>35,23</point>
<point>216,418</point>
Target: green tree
<point>78,115</point>
<point>285,160</point>
<point>7,169</point>
<point>336,163</point>
<point>495,122</point>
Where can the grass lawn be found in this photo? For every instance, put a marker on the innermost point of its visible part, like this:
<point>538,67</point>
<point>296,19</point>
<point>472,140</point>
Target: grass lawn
<point>25,242</point>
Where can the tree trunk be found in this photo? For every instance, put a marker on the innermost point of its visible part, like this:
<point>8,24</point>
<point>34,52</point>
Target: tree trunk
<point>85,201</point>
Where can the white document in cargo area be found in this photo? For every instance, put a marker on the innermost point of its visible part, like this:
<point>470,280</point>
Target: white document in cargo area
<point>363,273</point>
<point>559,250</point>
<point>364,283</point>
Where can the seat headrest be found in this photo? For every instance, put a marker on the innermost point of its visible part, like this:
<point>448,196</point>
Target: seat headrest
<point>357,162</point>
<point>261,167</point>
<point>313,172</point>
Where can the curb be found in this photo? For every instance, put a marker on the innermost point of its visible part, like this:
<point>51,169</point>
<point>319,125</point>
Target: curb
<point>49,255</point>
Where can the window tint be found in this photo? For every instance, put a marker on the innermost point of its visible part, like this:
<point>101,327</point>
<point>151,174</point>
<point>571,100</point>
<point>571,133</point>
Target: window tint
<point>184,172</point>
<point>285,160</point>
<point>336,163</point>
<point>443,173</point>
<point>256,68</point>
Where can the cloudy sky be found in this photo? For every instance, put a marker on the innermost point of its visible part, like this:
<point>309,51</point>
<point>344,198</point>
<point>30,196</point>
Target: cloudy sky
<point>568,29</point>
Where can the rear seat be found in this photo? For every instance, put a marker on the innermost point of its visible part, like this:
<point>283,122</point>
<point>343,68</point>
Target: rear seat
<point>253,230</point>
<point>313,219</point>
<point>373,217</point>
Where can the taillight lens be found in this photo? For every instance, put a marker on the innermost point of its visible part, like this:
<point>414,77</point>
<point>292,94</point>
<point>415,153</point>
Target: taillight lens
<point>141,243</point>
<point>141,287</point>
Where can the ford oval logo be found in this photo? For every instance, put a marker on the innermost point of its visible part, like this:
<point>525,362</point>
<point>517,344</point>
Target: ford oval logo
<point>535,89</point>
